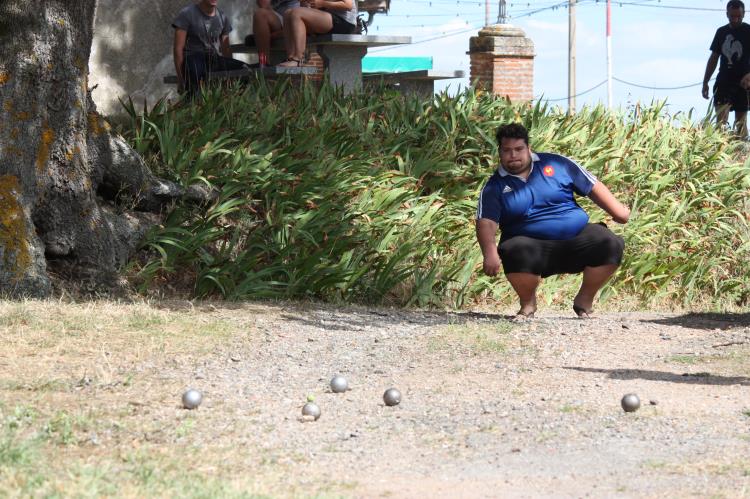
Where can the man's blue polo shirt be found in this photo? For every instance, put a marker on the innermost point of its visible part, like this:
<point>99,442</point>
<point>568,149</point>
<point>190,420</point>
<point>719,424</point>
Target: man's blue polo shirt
<point>542,206</point>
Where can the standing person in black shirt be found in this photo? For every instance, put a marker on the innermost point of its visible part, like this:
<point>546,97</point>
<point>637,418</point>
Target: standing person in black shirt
<point>730,49</point>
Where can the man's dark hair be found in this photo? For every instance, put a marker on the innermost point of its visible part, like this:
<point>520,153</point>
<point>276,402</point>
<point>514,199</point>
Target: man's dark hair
<point>735,4</point>
<point>511,131</point>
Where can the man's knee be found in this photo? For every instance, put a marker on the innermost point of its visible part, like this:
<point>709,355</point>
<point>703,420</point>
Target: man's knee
<point>608,247</point>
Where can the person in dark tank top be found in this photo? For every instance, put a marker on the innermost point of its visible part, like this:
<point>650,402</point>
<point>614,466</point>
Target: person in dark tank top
<point>201,45</point>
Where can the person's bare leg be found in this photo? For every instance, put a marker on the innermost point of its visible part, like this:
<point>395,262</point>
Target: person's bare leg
<point>298,23</point>
<point>722,115</point>
<point>525,285</point>
<point>593,280</point>
<point>265,23</point>
<point>740,124</point>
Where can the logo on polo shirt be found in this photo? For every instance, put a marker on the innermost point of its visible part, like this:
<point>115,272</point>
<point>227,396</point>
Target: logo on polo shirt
<point>507,189</point>
<point>548,171</point>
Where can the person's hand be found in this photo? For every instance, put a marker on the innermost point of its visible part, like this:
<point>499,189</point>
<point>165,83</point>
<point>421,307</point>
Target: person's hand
<point>745,82</point>
<point>705,90</point>
<point>315,4</point>
<point>491,265</point>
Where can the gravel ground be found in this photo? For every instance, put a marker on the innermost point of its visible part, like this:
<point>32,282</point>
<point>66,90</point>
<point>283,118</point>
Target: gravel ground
<point>490,407</point>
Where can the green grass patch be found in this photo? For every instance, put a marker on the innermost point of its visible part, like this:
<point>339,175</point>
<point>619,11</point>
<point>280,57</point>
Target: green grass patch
<point>687,359</point>
<point>571,408</point>
<point>478,338</point>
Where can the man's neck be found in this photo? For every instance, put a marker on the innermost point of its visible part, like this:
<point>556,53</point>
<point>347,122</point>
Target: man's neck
<point>523,175</point>
<point>209,10</point>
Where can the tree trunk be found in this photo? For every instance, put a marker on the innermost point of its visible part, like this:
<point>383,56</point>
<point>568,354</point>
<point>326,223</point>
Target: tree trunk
<point>73,195</point>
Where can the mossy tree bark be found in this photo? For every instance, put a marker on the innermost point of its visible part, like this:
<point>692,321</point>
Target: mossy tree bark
<point>75,199</point>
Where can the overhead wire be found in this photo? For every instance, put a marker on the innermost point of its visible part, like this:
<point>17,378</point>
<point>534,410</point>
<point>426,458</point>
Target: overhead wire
<point>534,11</point>
<point>576,95</point>
<point>625,83</point>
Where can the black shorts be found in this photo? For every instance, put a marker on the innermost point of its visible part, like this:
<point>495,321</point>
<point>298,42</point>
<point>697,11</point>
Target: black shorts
<point>595,245</point>
<point>732,94</point>
<point>341,27</point>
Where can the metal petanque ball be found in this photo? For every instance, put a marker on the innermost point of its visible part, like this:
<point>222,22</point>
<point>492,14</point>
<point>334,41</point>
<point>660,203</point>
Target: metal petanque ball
<point>191,399</point>
<point>392,397</point>
<point>339,384</point>
<point>630,402</point>
<point>310,409</point>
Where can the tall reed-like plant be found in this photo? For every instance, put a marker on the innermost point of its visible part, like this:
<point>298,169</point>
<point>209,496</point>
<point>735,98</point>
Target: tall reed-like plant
<point>371,197</point>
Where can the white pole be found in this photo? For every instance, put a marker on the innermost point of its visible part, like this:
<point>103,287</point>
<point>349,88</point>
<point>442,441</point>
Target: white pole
<point>501,14</point>
<point>609,55</point>
<point>486,12</point>
<point>571,56</point>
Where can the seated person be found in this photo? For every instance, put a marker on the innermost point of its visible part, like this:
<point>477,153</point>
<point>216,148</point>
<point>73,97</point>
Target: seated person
<point>268,23</point>
<point>543,230</point>
<point>316,17</point>
<point>201,44</point>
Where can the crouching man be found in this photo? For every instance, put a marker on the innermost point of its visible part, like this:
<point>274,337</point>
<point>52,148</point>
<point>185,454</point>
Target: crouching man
<point>543,230</point>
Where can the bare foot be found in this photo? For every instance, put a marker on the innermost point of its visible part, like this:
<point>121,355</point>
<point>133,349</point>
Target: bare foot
<point>582,313</point>
<point>521,317</point>
<point>526,311</point>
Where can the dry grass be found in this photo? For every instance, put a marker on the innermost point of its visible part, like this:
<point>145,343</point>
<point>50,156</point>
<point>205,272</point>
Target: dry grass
<point>90,403</point>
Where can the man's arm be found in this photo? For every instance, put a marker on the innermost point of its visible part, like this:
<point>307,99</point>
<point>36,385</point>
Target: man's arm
<point>607,202</point>
<point>178,53</point>
<point>486,230</point>
<point>713,60</point>
<point>226,50</point>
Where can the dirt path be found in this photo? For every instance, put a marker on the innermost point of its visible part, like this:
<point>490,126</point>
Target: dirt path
<point>490,408</point>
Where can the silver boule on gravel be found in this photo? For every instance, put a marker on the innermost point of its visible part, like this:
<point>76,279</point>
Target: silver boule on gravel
<point>311,409</point>
<point>191,399</point>
<point>339,384</point>
<point>630,402</point>
<point>392,397</point>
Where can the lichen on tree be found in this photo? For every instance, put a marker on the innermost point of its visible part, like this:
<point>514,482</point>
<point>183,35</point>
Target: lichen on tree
<point>75,198</point>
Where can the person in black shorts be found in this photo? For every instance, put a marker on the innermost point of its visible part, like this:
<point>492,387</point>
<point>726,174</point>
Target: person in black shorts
<point>316,17</point>
<point>530,198</point>
<point>268,24</point>
<point>201,44</point>
<point>730,49</point>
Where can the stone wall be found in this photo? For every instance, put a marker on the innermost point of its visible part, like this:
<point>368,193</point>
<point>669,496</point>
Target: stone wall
<point>132,47</point>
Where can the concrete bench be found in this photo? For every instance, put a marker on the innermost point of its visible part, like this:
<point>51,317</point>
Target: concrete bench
<point>342,54</point>
<point>240,74</point>
<point>420,82</point>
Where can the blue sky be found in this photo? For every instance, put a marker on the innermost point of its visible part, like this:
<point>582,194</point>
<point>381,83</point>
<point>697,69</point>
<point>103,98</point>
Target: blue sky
<point>655,43</point>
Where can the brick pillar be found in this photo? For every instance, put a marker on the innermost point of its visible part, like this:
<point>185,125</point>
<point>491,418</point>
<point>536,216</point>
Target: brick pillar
<point>315,60</point>
<point>502,61</point>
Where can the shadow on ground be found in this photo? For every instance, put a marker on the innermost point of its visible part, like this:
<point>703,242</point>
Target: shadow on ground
<point>705,320</point>
<point>702,378</point>
<point>353,319</point>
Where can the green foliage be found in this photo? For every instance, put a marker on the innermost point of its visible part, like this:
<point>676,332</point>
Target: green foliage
<point>371,197</point>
